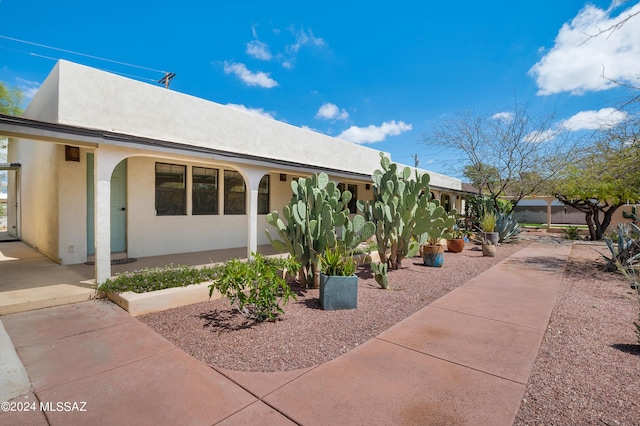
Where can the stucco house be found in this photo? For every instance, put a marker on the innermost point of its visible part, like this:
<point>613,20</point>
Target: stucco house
<point>103,166</point>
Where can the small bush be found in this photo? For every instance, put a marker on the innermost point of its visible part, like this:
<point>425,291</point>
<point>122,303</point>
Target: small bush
<point>152,279</point>
<point>571,233</point>
<point>255,287</point>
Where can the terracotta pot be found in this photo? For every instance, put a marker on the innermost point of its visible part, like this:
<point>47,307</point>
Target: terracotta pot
<point>455,245</point>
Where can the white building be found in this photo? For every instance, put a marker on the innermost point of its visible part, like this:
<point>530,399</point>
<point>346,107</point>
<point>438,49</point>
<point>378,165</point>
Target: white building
<point>101,164</point>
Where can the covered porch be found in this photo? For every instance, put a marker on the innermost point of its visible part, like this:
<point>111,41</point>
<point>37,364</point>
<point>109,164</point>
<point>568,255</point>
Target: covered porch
<point>29,280</point>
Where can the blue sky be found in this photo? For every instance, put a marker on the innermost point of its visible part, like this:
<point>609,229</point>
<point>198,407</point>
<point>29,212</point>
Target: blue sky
<point>375,73</point>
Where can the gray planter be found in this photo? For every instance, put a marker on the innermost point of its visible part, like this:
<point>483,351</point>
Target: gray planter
<point>338,292</point>
<point>492,236</point>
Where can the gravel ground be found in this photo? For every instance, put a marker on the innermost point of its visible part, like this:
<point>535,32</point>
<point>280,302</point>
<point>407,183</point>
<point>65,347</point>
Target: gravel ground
<point>307,335</point>
<point>588,367</point>
<point>587,370</point>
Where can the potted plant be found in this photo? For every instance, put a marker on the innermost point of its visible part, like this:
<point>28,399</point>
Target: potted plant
<point>488,248</point>
<point>455,244</point>
<point>488,224</point>
<point>338,282</point>
<point>433,250</point>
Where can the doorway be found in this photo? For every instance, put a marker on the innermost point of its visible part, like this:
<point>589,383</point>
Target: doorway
<point>118,207</point>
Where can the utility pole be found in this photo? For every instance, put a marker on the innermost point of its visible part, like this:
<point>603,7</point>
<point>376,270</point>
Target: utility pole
<point>415,160</point>
<point>166,80</point>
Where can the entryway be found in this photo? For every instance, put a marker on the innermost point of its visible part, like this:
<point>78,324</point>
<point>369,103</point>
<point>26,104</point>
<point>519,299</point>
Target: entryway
<point>118,210</point>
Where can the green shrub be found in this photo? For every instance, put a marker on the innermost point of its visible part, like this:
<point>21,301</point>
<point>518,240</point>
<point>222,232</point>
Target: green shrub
<point>571,233</point>
<point>152,279</point>
<point>255,287</point>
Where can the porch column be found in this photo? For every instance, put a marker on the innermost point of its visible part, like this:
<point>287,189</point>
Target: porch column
<point>252,176</point>
<point>549,202</point>
<point>105,160</point>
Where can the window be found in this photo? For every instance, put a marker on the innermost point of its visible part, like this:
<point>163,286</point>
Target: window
<point>263,195</point>
<point>234,193</point>
<point>170,190</point>
<point>353,189</point>
<point>445,201</point>
<point>204,191</point>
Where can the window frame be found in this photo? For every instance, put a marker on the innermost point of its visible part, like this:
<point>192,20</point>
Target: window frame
<point>353,188</point>
<point>198,193</point>
<point>228,183</point>
<point>170,195</point>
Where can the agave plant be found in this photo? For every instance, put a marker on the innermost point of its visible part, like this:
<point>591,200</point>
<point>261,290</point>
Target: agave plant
<point>506,226</point>
<point>624,246</point>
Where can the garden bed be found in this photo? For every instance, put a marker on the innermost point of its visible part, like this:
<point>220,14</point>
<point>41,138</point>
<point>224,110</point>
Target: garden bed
<point>306,335</point>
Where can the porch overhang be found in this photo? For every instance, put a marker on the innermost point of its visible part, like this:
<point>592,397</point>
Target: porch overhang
<point>26,128</point>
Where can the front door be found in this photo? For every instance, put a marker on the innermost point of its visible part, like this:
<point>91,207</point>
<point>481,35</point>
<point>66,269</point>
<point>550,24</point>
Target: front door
<point>118,207</point>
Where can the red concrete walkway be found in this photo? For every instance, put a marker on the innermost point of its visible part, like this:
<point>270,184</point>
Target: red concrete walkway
<point>464,359</point>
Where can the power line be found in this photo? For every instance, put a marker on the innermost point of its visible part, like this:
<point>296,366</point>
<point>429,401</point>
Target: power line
<point>81,54</point>
<point>153,80</point>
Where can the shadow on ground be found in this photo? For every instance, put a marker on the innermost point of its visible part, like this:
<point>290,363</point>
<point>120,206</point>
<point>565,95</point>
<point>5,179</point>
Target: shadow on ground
<point>545,263</point>
<point>627,348</point>
<point>224,321</point>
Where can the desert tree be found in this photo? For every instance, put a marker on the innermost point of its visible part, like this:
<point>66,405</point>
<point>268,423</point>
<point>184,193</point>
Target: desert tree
<point>510,153</point>
<point>605,177</point>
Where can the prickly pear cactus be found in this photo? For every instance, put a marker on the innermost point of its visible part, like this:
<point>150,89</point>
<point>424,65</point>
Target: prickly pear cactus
<point>312,221</point>
<point>401,211</point>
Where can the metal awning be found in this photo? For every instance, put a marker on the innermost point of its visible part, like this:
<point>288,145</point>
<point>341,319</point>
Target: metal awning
<point>10,166</point>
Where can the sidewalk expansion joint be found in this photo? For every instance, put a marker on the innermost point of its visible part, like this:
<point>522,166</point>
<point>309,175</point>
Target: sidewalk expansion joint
<point>259,398</point>
<point>452,362</point>
<point>494,319</point>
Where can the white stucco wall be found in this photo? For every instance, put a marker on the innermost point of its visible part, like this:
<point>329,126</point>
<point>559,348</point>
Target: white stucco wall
<point>38,184</point>
<point>44,104</point>
<point>38,199</point>
<point>99,100</point>
<point>72,219</point>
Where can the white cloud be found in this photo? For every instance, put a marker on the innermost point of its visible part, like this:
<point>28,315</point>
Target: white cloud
<point>258,111</point>
<point>594,120</point>
<point>503,116</point>
<point>258,50</point>
<point>250,78</point>
<point>329,111</point>
<point>371,134</point>
<point>28,88</point>
<point>577,62</point>
<point>540,136</point>
<point>304,38</point>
